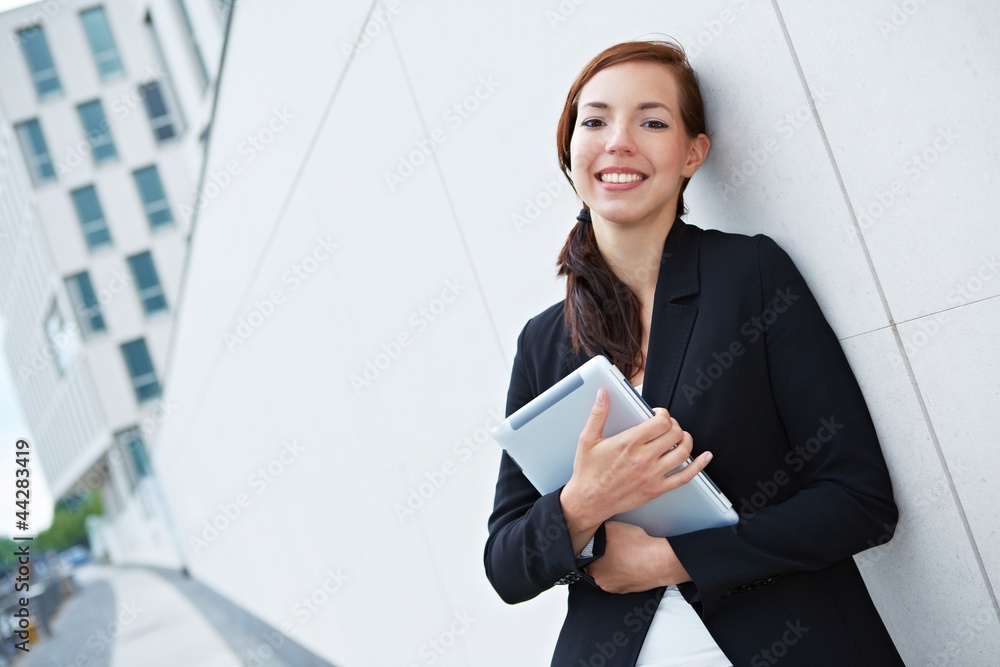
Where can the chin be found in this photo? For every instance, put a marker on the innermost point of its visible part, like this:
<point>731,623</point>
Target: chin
<point>621,214</point>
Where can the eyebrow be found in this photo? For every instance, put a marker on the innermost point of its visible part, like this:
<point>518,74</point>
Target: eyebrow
<point>644,106</point>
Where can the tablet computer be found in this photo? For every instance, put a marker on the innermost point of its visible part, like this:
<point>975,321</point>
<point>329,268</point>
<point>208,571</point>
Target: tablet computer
<point>542,438</point>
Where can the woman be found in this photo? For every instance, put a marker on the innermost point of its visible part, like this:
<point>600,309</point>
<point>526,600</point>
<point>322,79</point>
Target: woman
<point>722,329</point>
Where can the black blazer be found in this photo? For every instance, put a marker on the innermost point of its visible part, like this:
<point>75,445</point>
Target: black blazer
<point>741,355</point>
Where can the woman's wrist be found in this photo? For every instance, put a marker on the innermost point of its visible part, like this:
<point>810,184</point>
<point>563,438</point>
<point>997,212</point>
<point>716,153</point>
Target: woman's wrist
<point>581,523</point>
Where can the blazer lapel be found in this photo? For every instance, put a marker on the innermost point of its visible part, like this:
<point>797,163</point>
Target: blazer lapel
<point>670,329</point>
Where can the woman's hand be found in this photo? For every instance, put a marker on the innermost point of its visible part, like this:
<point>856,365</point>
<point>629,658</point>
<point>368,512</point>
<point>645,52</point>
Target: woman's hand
<point>617,474</point>
<point>633,561</point>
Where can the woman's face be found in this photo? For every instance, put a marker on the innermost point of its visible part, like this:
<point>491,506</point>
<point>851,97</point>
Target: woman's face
<point>629,151</point>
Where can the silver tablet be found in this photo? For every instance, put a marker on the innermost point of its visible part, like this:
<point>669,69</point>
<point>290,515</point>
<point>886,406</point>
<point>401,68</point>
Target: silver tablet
<point>542,438</point>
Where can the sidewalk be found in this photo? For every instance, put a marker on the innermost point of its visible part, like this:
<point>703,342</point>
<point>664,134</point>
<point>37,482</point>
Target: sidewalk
<point>136,616</point>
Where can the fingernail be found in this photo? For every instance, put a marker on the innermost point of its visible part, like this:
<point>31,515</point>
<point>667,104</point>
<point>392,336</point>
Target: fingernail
<point>708,457</point>
<point>600,397</point>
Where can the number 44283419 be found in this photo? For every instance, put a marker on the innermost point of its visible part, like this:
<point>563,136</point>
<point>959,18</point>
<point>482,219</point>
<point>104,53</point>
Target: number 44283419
<point>22,482</point>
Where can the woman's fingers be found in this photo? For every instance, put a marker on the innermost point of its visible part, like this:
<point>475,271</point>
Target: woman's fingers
<point>593,430</point>
<point>686,474</point>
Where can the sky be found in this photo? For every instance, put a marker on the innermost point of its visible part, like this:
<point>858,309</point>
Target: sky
<point>13,425</point>
<point>11,4</point>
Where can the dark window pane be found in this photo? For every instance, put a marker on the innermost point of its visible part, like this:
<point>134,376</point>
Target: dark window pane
<point>140,369</point>
<point>159,113</point>
<point>36,52</point>
<point>88,310</point>
<point>36,151</point>
<point>95,126</point>
<point>147,283</point>
<point>88,210</point>
<point>102,45</point>
<point>154,199</point>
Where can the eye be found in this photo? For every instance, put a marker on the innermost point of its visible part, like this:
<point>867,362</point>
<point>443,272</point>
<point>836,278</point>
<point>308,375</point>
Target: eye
<point>592,122</point>
<point>656,124</point>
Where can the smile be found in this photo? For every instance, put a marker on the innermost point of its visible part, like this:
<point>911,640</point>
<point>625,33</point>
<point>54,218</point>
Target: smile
<point>620,178</point>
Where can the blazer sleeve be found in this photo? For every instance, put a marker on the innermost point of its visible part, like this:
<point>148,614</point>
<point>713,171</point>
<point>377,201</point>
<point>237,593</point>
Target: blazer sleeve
<point>529,547</point>
<point>846,502</point>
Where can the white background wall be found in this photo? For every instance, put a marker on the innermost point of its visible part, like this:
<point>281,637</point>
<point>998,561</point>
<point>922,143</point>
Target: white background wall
<point>819,113</point>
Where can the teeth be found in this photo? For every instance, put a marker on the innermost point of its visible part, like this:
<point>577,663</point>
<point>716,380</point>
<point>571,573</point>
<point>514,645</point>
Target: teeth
<point>620,178</point>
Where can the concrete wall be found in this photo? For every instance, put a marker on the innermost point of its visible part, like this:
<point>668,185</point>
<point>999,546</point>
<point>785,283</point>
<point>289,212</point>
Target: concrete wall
<point>382,213</point>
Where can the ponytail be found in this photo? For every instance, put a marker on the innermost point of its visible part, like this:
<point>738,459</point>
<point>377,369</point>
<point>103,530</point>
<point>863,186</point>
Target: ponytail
<point>601,313</point>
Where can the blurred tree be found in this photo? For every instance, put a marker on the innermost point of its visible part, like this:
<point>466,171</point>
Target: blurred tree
<point>68,529</point>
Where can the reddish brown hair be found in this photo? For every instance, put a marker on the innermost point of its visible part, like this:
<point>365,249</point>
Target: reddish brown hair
<point>601,313</point>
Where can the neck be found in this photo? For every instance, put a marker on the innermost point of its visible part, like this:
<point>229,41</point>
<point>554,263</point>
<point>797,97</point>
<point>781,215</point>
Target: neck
<point>633,251</point>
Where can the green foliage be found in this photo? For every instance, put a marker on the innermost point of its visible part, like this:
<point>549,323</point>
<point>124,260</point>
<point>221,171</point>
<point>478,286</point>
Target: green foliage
<point>68,529</point>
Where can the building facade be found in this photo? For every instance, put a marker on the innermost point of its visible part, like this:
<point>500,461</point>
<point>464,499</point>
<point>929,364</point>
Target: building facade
<point>109,105</point>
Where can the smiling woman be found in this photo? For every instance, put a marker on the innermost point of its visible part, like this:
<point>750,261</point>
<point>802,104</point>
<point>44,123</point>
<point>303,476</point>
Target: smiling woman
<point>654,293</point>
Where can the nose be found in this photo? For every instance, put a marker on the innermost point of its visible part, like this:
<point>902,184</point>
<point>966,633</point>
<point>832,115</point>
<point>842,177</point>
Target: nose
<point>620,139</point>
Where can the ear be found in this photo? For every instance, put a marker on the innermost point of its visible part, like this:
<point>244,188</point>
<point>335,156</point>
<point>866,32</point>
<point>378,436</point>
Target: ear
<point>696,154</point>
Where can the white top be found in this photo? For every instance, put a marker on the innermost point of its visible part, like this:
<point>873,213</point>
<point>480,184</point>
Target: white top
<point>677,636</point>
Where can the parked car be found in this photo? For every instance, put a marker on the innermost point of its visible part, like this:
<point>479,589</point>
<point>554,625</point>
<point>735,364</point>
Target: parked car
<point>75,555</point>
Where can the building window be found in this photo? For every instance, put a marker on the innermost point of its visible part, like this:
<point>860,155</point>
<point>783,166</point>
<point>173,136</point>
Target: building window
<point>132,449</point>
<point>60,337</point>
<point>102,44</point>
<point>88,210</point>
<point>160,116</point>
<point>147,283</point>
<point>36,152</point>
<point>140,369</point>
<point>95,126</point>
<point>43,70</point>
<point>154,199</point>
<point>88,310</point>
